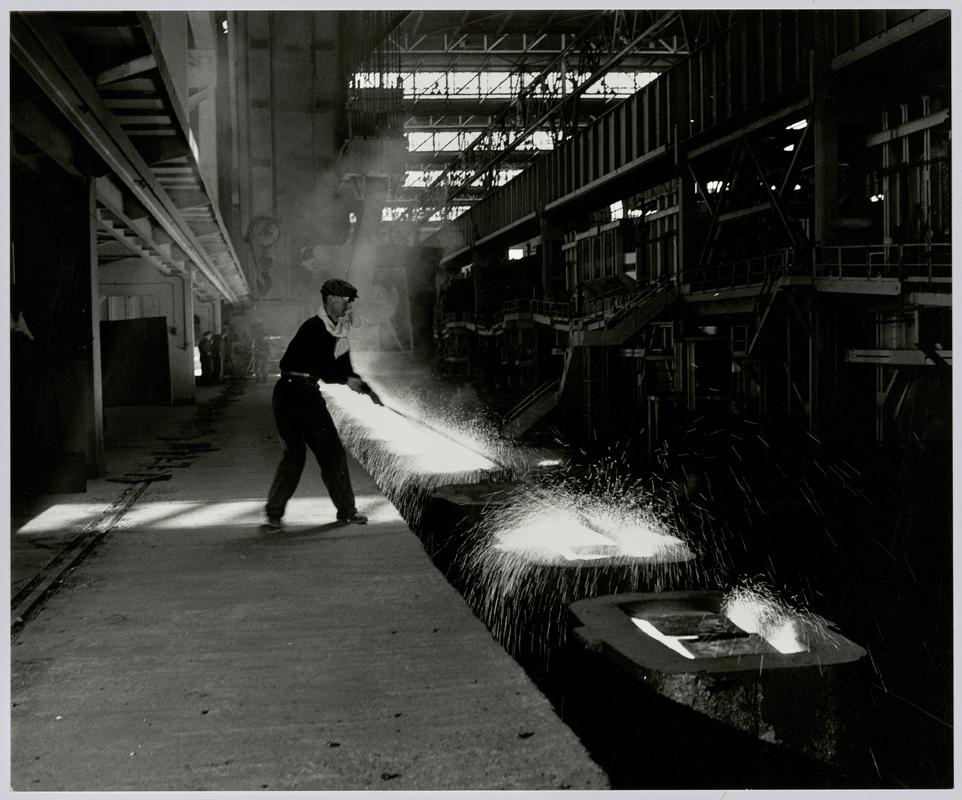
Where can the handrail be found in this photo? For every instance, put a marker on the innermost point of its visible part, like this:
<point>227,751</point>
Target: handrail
<point>637,298</point>
<point>532,305</point>
<point>744,272</point>
<point>916,260</point>
<point>764,302</point>
<point>569,357</point>
<point>933,259</point>
<point>551,308</point>
<point>528,401</point>
<point>516,306</point>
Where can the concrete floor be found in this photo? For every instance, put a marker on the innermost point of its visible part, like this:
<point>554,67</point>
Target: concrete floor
<point>191,651</point>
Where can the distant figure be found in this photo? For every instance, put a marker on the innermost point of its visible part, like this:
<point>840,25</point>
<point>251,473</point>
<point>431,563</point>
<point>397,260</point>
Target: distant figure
<point>320,350</point>
<point>206,346</point>
<point>227,369</point>
<point>217,358</point>
<point>260,354</point>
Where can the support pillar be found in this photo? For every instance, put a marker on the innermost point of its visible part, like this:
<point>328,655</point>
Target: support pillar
<point>72,376</point>
<point>96,461</point>
<point>218,316</point>
<point>685,252</point>
<point>184,389</point>
<point>825,128</point>
<point>551,281</point>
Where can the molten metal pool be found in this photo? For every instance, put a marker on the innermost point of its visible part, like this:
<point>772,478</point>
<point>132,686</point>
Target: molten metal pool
<point>742,660</point>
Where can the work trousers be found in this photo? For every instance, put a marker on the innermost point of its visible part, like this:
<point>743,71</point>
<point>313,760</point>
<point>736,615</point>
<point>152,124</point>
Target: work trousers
<point>303,421</point>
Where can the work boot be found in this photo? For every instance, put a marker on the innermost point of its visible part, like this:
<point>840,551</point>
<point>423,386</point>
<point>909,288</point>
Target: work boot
<point>353,517</point>
<point>273,525</point>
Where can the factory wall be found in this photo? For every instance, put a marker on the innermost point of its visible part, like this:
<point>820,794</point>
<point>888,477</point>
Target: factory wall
<point>135,289</point>
<point>780,248</point>
<point>304,204</point>
<point>105,216</point>
<point>56,432</point>
<point>289,207</point>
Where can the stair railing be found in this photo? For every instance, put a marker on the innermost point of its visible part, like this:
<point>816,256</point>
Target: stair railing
<point>528,401</point>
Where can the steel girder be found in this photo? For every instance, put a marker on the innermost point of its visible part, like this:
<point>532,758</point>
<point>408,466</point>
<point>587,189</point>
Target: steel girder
<point>128,115</point>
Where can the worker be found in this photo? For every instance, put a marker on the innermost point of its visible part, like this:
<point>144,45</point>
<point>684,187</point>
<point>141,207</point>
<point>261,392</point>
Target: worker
<point>206,346</point>
<point>320,350</point>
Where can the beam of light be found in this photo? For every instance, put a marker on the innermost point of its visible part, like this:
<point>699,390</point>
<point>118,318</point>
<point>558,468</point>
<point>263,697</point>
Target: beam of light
<point>63,516</point>
<point>180,514</point>
<point>174,514</point>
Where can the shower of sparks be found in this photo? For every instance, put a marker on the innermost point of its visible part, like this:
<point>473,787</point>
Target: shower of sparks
<point>554,527</point>
<point>756,609</point>
<point>544,547</point>
<point>531,557</point>
<point>406,458</point>
<point>539,549</point>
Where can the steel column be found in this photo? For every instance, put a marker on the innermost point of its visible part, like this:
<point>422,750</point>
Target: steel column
<point>96,463</point>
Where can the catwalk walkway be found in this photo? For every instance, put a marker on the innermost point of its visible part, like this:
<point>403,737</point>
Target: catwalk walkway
<point>162,642</point>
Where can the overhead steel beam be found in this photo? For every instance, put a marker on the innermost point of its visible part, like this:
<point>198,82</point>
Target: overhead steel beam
<point>898,358</point>
<point>35,123</point>
<point>38,48</point>
<point>665,19</point>
<point>136,66</point>
<point>506,46</point>
<point>908,128</point>
<point>900,31</point>
<point>475,145</point>
<point>794,233</point>
<point>599,183</point>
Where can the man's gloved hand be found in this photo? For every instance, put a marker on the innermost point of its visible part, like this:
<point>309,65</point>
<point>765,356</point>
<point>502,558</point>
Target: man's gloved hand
<point>361,387</point>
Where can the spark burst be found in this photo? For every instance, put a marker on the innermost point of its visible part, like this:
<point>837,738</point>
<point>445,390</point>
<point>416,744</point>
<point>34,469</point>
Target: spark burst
<point>755,608</point>
<point>530,558</point>
<point>408,458</point>
<point>540,549</point>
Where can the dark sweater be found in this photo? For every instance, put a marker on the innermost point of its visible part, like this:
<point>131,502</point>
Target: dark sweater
<point>312,351</point>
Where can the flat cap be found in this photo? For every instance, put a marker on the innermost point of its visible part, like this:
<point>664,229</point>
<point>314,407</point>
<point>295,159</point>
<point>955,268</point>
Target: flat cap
<point>338,288</point>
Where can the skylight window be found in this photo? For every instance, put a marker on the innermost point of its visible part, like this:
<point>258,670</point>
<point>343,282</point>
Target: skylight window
<point>500,84</point>
<point>457,141</point>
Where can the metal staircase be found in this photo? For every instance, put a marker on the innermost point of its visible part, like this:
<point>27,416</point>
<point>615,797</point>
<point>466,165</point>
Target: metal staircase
<point>542,400</point>
<point>613,331</point>
<point>764,303</point>
<point>640,310</point>
<point>531,408</point>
